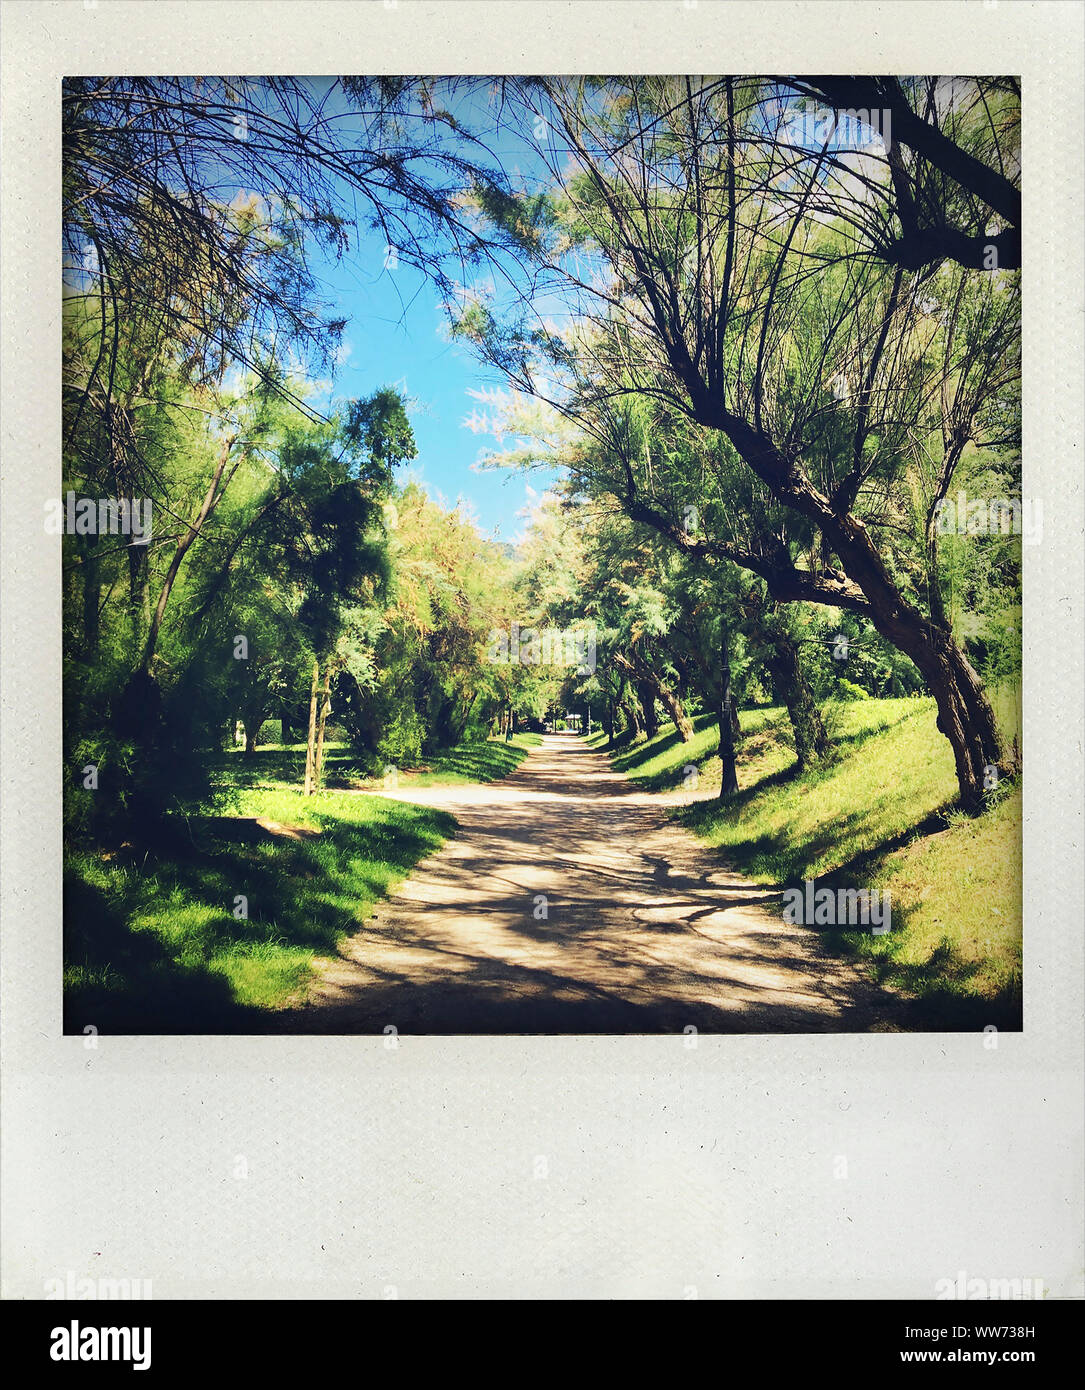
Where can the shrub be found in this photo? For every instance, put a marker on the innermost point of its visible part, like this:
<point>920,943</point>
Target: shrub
<point>401,742</point>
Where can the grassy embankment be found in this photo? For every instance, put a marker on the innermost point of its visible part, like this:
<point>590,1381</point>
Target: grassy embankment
<point>879,814</point>
<point>152,943</point>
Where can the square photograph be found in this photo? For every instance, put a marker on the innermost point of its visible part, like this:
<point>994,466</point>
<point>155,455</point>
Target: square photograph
<point>542,555</point>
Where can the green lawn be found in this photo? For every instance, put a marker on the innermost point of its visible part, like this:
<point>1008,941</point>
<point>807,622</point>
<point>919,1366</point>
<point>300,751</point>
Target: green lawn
<point>471,762</point>
<point>879,814</point>
<point>152,943</point>
<point>279,764</point>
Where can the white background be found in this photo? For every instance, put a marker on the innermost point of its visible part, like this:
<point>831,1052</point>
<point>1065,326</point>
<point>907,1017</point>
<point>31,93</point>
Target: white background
<point>669,1170</point>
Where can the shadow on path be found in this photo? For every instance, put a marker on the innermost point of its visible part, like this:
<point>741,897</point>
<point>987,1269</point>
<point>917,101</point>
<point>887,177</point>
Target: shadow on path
<point>570,902</point>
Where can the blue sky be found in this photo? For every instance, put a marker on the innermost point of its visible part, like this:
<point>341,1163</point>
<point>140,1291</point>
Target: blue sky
<point>395,333</point>
<point>395,336</point>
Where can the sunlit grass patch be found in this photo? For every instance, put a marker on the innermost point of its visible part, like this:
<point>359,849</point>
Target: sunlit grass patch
<point>660,762</point>
<point>264,976</point>
<point>889,772</point>
<point>879,812</point>
<point>957,918</point>
<point>229,917</point>
<point>487,761</point>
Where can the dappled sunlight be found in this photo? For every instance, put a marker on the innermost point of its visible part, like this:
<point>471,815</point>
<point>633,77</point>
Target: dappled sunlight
<point>569,901</point>
<point>156,946</point>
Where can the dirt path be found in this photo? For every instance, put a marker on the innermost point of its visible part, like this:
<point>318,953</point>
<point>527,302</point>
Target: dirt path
<point>644,931</point>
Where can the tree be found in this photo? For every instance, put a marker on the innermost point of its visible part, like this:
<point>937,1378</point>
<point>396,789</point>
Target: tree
<point>954,160</point>
<point>741,311</point>
<point>162,230</point>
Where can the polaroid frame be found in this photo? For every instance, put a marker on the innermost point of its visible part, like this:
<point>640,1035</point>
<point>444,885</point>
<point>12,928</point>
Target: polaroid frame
<point>543,1167</point>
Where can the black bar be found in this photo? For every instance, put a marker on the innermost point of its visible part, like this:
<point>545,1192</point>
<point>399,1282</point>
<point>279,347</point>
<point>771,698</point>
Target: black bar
<point>314,1337</point>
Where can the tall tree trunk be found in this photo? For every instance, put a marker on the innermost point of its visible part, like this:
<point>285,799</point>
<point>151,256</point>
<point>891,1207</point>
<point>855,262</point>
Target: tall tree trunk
<point>728,770</point>
<point>139,592</point>
<point>325,707</point>
<point>252,719</point>
<point>811,741</point>
<point>310,746</point>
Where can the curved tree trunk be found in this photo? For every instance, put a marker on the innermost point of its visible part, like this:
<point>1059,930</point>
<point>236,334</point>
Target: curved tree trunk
<point>965,715</point>
<point>631,710</point>
<point>677,711</point>
<point>641,675</point>
<point>789,683</point>
<point>211,499</point>
<point>466,706</point>
<point>646,694</point>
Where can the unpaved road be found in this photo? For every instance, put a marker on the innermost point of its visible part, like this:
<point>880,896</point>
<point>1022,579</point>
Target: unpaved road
<point>644,931</point>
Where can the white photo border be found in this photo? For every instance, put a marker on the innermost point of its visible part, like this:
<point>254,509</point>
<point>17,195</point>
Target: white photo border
<point>374,1173</point>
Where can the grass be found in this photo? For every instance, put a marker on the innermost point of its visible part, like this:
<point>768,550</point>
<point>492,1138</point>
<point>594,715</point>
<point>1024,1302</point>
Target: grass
<point>280,765</point>
<point>878,814</point>
<point>283,765</point>
<point>471,762</point>
<point>162,942</point>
